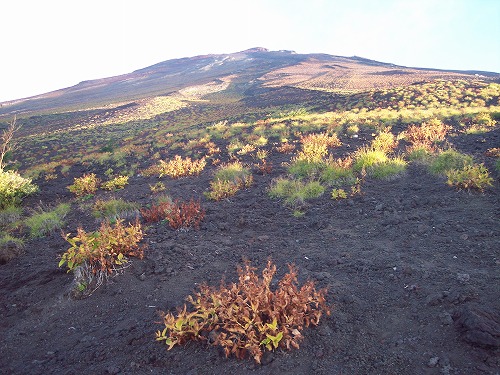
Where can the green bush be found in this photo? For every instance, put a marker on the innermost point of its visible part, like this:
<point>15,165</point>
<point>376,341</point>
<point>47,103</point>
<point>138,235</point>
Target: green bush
<point>14,187</point>
<point>367,157</point>
<point>388,169</point>
<point>295,192</point>
<point>44,222</point>
<point>114,209</point>
<point>470,177</point>
<point>448,160</point>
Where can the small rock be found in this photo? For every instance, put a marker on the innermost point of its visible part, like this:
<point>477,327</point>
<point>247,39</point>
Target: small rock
<point>142,276</point>
<point>464,237</point>
<point>263,238</point>
<point>463,277</point>
<point>433,362</point>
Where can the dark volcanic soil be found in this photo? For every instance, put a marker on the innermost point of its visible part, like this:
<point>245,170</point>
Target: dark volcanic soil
<point>412,269</point>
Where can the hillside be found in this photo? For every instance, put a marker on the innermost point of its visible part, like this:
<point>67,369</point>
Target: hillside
<point>380,183</point>
<point>242,73</point>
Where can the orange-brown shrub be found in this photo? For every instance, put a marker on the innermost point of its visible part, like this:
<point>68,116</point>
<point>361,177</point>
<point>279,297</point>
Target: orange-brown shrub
<point>178,214</point>
<point>247,317</point>
<point>427,134</point>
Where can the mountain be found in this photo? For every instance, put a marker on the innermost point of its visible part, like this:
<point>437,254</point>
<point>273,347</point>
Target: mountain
<point>245,74</point>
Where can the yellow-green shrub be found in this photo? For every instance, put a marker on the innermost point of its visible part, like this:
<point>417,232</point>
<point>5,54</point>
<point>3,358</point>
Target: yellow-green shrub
<point>116,183</point>
<point>85,185</point>
<point>14,187</point>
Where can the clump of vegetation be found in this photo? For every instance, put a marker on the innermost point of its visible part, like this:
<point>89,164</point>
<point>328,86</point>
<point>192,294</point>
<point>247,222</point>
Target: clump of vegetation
<point>385,141</point>
<point>427,135</point>
<point>96,255</point>
<point>315,147</point>
<point>14,187</point>
<point>114,209</point>
<point>44,222</point>
<point>179,167</point>
<point>179,215</point>
<point>295,191</point>
<point>248,317</point>
<point>116,183</point>
<point>388,169</point>
<point>475,176</point>
<point>339,194</point>
<point>85,185</point>
<point>448,160</point>
<point>228,180</point>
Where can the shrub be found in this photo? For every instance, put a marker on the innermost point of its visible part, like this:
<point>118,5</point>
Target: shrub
<point>85,185</point>
<point>338,171</point>
<point>114,209</point>
<point>427,134</point>
<point>179,167</point>
<point>157,211</point>
<point>339,194</point>
<point>228,180</point>
<point>497,165</point>
<point>180,215</point>
<point>387,169</point>
<point>474,176</point>
<point>367,157</point>
<point>285,148</point>
<point>448,160</point>
<point>295,192</point>
<point>248,317</point>
<point>385,141</point>
<point>14,187</point>
<point>116,183</point>
<point>96,255</point>
<point>45,222</point>
<point>157,187</point>
<point>184,215</point>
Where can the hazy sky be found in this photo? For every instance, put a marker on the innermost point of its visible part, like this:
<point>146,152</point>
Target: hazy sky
<point>52,44</point>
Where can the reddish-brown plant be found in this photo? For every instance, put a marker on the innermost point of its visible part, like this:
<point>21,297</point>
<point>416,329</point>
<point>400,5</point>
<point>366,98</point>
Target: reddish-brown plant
<point>247,317</point>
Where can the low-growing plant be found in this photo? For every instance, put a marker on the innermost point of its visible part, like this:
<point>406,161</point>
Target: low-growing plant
<point>388,169</point>
<point>286,148</point>
<point>339,194</point>
<point>228,180</point>
<point>475,176</point>
<point>96,255</point>
<point>184,215</point>
<point>116,183</point>
<point>448,160</point>
<point>179,167</point>
<point>366,157</point>
<point>248,317</point>
<point>427,134</point>
<point>295,191</point>
<point>158,211</point>
<point>385,141</point>
<point>157,187</point>
<point>113,209</point>
<point>85,185</point>
<point>44,222</point>
<point>13,188</point>
<point>179,215</point>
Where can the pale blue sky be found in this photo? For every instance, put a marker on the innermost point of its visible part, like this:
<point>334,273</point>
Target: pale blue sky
<point>52,44</point>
